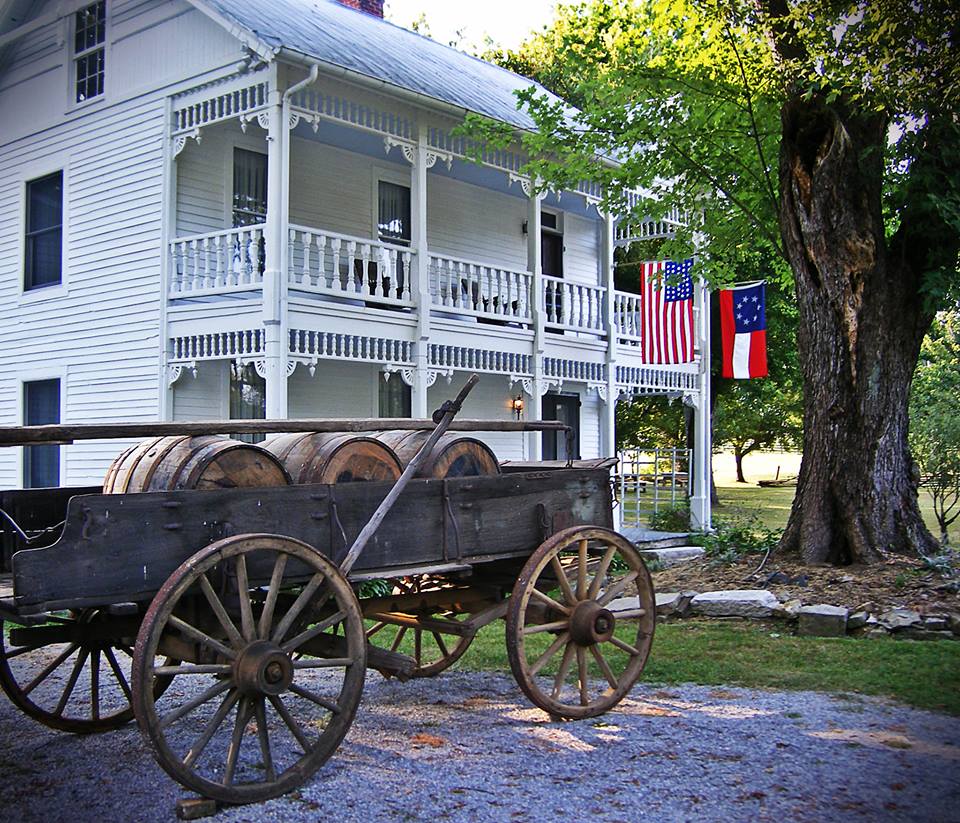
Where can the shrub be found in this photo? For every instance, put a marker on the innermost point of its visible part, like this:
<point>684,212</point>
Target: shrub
<point>733,539</point>
<point>671,518</point>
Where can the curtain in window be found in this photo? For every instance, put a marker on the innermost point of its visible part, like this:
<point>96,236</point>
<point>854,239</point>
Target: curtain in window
<point>249,187</point>
<point>393,220</point>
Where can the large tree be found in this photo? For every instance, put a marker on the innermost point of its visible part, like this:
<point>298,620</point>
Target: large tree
<point>824,135</point>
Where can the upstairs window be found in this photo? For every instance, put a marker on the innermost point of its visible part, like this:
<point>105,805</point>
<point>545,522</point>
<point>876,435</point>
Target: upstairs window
<point>393,214</point>
<point>89,36</point>
<point>43,252</point>
<point>41,406</point>
<point>249,188</point>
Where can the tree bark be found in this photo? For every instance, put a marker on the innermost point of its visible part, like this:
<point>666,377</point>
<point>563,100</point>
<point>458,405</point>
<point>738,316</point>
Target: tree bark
<point>738,458</point>
<point>862,319</point>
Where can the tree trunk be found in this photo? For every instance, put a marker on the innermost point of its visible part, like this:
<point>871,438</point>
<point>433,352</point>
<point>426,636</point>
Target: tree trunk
<point>862,319</point>
<point>738,457</point>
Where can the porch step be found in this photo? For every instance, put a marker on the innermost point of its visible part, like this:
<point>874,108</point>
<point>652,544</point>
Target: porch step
<point>650,539</point>
<point>673,556</point>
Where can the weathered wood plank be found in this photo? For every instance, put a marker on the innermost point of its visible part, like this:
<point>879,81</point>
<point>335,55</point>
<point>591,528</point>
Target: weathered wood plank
<point>68,433</point>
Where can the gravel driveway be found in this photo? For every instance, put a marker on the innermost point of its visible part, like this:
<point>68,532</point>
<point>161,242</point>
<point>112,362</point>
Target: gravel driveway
<point>467,747</point>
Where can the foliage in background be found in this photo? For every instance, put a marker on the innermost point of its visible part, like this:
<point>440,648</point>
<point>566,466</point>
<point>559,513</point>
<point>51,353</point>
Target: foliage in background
<point>734,538</point>
<point>934,418</point>
<point>671,518</point>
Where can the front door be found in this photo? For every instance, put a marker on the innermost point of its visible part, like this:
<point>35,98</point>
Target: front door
<point>566,408</point>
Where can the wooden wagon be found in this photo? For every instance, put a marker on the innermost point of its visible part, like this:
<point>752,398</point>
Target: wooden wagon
<point>237,625</point>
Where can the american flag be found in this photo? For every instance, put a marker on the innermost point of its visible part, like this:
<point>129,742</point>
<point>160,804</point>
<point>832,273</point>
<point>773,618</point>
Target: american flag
<point>666,298</point>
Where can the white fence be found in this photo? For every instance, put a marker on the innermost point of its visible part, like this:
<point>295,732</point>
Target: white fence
<point>652,480</point>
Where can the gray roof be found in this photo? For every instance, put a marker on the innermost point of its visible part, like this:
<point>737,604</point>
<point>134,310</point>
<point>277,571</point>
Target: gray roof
<point>326,31</point>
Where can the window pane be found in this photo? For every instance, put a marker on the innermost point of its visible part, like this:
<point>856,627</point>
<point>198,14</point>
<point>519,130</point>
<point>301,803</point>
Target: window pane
<point>394,397</point>
<point>89,75</point>
<point>90,26</point>
<point>45,202</point>
<point>43,242</point>
<point>248,399</point>
<point>41,405</point>
<point>393,217</point>
<point>43,261</point>
<point>249,187</point>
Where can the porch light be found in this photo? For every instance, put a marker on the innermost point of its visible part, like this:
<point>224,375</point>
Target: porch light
<point>518,405</point>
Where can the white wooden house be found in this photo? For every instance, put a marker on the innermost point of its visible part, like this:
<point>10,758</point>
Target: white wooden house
<point>233,208</point>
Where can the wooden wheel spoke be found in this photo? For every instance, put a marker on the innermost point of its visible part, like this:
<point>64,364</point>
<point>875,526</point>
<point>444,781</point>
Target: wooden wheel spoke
<point>565,662</point>
<point>582,675</point>
<point>312,632</point>
<point>549,601</point>
<point>190,705</point>
<point>633,651</point>
<point>563,581</point>
<point>20,650</point>
<point>191,668</point>
<point>604,667</point>
<point>545,658</point>
<point>211,728</point>
<point>290,722</point>
<point>581,569</point>
<point>236,741</point>
<point>322,663</point>
<point>546,627</point>
<point>377,627</point>
<point>629,614</point>
<point>118,672</point>
<point>71,682</point>
<point>617,588</point>
<point>218,609</point>
<point>49,668</point>
<point>276,580</point>
<point>417,645</point>
<point>95,684</point>
<point>243,593</point>
<point>594,589</point>
<point>329,705</point>
<point>201,637</point>
<point>298,606</point>
<point>263,735</point>
<point>398,638</point>
<point>438,639</point>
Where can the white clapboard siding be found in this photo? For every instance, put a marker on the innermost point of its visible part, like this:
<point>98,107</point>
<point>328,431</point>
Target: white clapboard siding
<point>337,389</point>
<point>204,397</point>
<point>581,250</point>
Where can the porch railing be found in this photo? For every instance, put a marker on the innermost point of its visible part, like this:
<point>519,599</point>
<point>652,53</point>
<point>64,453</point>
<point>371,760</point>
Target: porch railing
<point>627,316</point>
<point>575,306</point>
<point>480,289</point>
<point>354,268</point>
<point>217,262</point>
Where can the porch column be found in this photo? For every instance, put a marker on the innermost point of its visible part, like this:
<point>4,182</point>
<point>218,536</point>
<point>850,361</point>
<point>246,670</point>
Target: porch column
<point>274,275</point>
<point>421,161</point>
<point>608,436</point>
<point>168,231</point>
<point>535,441</point>
<point>700,515</point>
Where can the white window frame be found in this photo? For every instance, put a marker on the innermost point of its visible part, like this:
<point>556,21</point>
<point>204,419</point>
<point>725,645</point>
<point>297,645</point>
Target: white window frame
<point>71,29</point>
<point>29,173</point>
<point>34,376</point>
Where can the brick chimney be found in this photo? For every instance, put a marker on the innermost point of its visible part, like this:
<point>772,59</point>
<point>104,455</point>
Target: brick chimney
<point>374,7</point>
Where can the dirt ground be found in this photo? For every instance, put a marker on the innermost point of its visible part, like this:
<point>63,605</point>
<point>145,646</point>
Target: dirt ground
<point>896,583</point>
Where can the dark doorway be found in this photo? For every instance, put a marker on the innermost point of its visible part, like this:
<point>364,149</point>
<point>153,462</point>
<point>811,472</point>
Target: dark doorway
<point>566,408</point>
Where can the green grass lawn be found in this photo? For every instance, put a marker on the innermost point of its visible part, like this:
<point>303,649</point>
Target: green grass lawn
<point>922,674</point>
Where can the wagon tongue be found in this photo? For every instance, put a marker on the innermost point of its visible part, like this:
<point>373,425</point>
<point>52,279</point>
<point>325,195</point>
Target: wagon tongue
<point>443,417</point>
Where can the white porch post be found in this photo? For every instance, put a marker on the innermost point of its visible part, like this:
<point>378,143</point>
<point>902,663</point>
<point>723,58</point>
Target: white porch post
<point>168,230</point>
<point>421,272</point>
<point>608,435</point>
<point>700,515</point>
<point>275,274</point>
<point>535,441</point>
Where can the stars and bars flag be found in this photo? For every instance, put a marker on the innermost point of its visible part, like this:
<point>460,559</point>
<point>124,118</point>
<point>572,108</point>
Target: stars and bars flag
<point>743,330</point>
<point>666,298</point>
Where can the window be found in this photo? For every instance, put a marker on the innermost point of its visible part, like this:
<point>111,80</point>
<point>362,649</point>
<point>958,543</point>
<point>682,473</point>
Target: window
<point>248,399</point>
<point>551,245</point>
<point>393,214</point>
<point>566,408</point>
<point>394,397</point>
<point>41,405</point>
<point>44,234</point>
<point>249,188</point>
<point>89,36</point>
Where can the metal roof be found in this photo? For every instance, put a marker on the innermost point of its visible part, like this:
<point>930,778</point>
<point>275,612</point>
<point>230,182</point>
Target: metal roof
<point>328,32</point>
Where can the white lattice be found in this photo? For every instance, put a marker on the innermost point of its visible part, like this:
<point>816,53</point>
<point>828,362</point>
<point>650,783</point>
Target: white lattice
<point>315,105</point>
<point>579,370</point>
<point>308,346</point>
<point>244,344</point>
<point>463,358</point>
<point>643,380</point>
<point>219,106</point>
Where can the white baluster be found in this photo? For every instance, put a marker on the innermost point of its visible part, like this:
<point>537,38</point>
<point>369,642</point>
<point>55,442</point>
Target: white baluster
<point>394,276</point>
<point>406,274</point>
<point>351,284</point>
<point>337,281</point>
<point>321,243</point>
<point>365,271</point>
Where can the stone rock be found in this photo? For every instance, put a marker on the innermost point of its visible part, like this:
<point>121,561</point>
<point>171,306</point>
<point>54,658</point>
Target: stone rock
<point>858,620</point>
<point>686,598</point>
<point>936,623</point>
<point>735,603</point>
<point>822,621</point>
<point>898,619</point>
<point>667,602</point>
<point>788,610</point>
<point>673,556</point>
<point>922,634</point>
<point>876,631</point>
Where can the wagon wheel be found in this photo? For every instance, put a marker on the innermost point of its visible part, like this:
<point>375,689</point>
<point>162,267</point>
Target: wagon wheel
<point>583,607</point>
<point>434,649</point>
<point>273,690</point>
<point>78,682</point>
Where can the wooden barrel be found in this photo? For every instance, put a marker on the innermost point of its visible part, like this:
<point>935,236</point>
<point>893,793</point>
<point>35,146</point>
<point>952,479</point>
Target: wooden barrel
<point>184,462</point>
<point>334,457</point>
<point>453,456</point>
